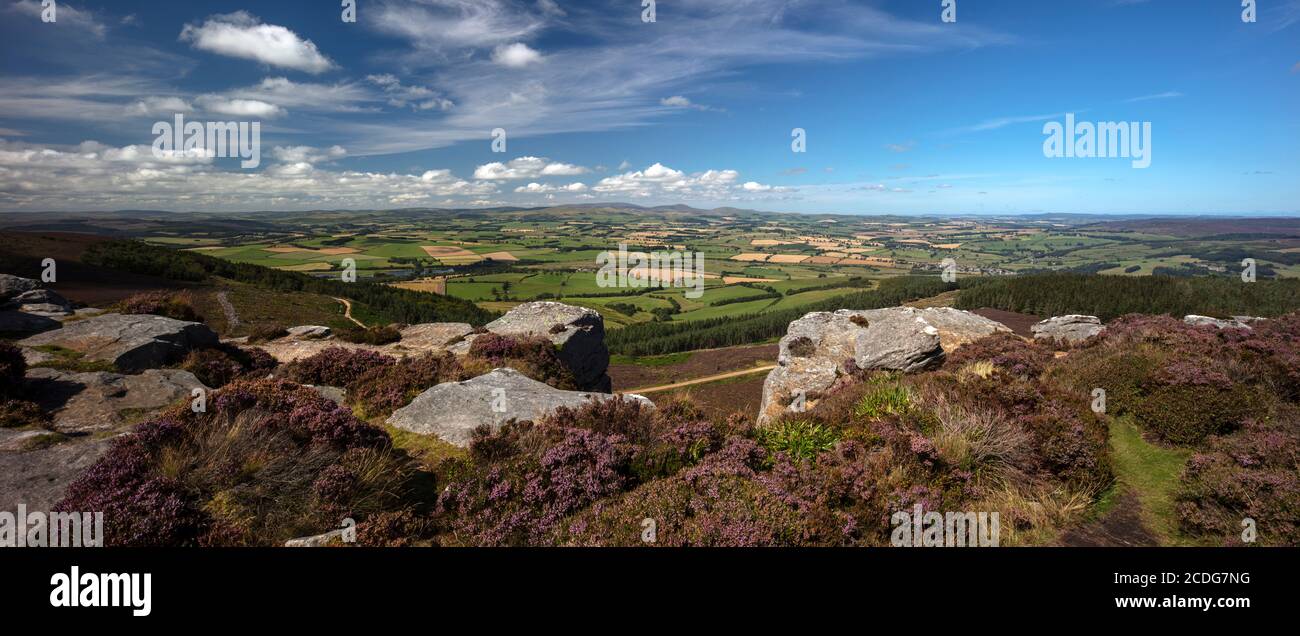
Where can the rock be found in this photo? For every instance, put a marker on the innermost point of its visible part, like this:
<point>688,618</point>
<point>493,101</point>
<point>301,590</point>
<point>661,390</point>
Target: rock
<point>453,410</point>
<point>34,357</point>
<point>88,312</point>
<point>1071,329</point>
<point>309,332</point>
<point>130,342</point>
<point>957,327</point>
<point>99,401</point>
<point>1236,322</point>
<point>818,348</point>
<point>39,478</point>
<point>577,331</point>
<point>23,324</point>
<point>432,336</point>
<point>11,286</point>
<point>43,302</point>
<point>332,393</point>
<point>333,537</point>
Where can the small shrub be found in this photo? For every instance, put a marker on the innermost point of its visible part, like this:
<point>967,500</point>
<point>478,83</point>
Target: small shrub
<point>1007,352</point>
<point>884,398</point>
<point>385,388</point>
<point>800,439</point>
<point>533,356</point>
<point>335,366</point>
<point>376,336</point>
<point>213,367</point>
<point>21,413</point>
<point>801,347</point>
<point>178,305</point>
<point>267,333</point>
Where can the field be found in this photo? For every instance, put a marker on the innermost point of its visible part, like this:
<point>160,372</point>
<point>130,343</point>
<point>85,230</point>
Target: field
<point>753,262</point>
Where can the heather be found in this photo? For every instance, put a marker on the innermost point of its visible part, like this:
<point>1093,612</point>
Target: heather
<point>218,366</point>
<point>533,356</point>
<point>269,461</point>
<point>335,366</point>
<point>178,305</point>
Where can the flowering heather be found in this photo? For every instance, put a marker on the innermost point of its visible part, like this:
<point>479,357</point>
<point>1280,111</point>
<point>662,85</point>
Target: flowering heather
<point>1006,351</point>
<point>1249,474</point>
<point>335,366</point>
<point>178,305</point>
<point>385,388</point>
<point>533,356</point>
<point>270,461</point>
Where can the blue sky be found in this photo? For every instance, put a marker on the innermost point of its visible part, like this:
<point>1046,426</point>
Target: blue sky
<point>904,113</point>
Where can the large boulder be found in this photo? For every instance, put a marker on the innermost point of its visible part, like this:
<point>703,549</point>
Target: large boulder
<point>129,342</point>
<point>11,286</point>
<point>453,410</point>
<point>99,401</point>
<point>1069,330</point>
<point>43,302</point>
<point>957,327</point>
<point>1235,322</point>
<point>38,478</point>
<point>308,332</point>
<point>578,332</point>
<point>819,348</point>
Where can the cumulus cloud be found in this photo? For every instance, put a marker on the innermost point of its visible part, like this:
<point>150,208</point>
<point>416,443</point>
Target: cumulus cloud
<point>526,168</point>
<point>517,55</point>
<point>160,106</point>
<point>307,154</point>
<point>659,180</point>
<point>93,176</point>
<point>242,35</point>
<point>253,108</point>
<point>538,188</point>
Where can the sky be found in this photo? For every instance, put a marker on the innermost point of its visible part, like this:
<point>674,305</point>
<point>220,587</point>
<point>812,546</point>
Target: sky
<point>899,111</point>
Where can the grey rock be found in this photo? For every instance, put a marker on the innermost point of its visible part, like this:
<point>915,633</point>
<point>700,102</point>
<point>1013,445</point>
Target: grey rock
<point>331,538</point>
<point>309,332</point>
<point>1071,329</point>
<point>47,310</point>
<point>332,393</point>
<point>957,327</point>
<point>39,478</point>
<point>130,342</point>
<point>1236,322</point>
<point>98,401</point>
<point>11,286</point>
<point>21,323</point>
<point>432,336</point>
<point>577,331</point>
<point>818,348</point>
<point>43,300</point>
<point>453,410</point>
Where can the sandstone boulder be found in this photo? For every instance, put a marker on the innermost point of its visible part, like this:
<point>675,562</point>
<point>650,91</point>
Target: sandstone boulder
<point>1235,322</point>
<point>39,478</point>
<point>957,327</point>
<point>331,538</point>
<point>819,347</point>
<point>577,331</point>
<point>309,332</point>
<point>98,401</point>
<point>1071,329</point>
<point>11,286</point>
<point>453,410</point>
<point>130,342</point>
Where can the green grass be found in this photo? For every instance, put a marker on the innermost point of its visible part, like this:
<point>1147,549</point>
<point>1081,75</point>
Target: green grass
<point>1152,472</point>
<point>73,361</point>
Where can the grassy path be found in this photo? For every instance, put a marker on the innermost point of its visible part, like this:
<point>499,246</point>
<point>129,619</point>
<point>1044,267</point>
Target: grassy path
<point>347,312</point>
<point>1151,473</point>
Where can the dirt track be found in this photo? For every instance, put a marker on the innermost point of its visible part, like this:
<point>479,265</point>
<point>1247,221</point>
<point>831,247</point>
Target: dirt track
<point>704,380</point>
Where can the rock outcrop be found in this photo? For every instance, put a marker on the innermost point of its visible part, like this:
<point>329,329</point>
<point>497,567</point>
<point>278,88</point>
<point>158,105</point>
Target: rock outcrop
<point>129,342</point>
<point>99,401</point>
<point>309,332</point>
<point>453,410</point>
<point>1235,322</point>
<point>819,348</point>
<point>1068,330</point>
<point>26,309</point>
<point>39,478</point>
<point>11,286</point>
<point>578,332</point>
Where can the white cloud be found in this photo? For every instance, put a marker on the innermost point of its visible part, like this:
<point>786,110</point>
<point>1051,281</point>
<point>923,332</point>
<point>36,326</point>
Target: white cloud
<point>401,96</point>
<point>517,55</point>
<point>218,105</point>
<point>244,36</point>
<point>1146,98</point>
<point>66,15</point>
<point>160,106</point>
<point>307,154</point>
<point>526,168</point>
<point>678,101</point>
<point>538,188</point>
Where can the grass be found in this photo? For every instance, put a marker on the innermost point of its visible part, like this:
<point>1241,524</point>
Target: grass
<point>665,360</point>
<point>1152,472</point>
<point>73,361</point>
